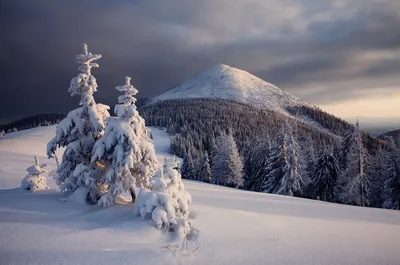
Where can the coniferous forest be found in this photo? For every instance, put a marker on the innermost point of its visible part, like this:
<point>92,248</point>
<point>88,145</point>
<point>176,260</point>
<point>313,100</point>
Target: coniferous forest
<point>310,154</point>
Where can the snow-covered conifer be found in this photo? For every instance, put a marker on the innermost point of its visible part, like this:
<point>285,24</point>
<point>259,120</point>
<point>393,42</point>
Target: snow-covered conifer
<point>79,131</point>
<point>167,202</point>
<point>391,191</point>
<point>346,145</point>
<point>227,168</point>
<point>379,174</point>
<point>256,164</point>
<point>125,151</point>
<point>35,181</point>
<point>188,170</point>
<point>283,167</point>
<point>391,195</point>
<point>2,133</point>
<point>353,186</point>
<point>324,176</point>
<point>204,172</point>
<point>308,160</point>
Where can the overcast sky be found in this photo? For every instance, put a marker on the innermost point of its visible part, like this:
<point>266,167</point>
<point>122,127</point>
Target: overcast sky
<point>342,55</point>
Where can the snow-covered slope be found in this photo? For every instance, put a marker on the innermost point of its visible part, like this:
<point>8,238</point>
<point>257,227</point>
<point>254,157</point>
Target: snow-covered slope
<point>225,82</point>
<point>237,227</point>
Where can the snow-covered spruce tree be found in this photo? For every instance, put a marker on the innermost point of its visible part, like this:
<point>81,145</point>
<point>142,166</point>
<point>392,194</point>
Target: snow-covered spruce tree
<point>353,186</point>
<point>79,131</point>
<point>35,181</point>
<point>346,145</point>
<point>2,133</point>
<point>391,192</point>
<point>125,150</point>
<point>324,177</point>
<point>308,159</point>
<point>379,174</point>
<point>227,168</point>
<point>204,172</point>
<point>283,167</point>
<point>167,202</point>
<point>256,164</point>
<point>188,170</point>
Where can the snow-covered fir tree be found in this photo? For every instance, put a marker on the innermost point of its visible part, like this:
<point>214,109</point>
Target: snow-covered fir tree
<point>324,176</point>
<point>188,169</point>
<point>2,133</point>
<point>204,171</point>
<point>346,144</point>
<point>256,165</point>
<point>353,186</point>
<point>283,167</point>
<point>79,131</point>
<point>35,181</point>
<point>125,151</point>
<point>308,159</point>
<point>227,168</point>
<point>379,174</point>
<point>391,191</point>
<point>167,202</point>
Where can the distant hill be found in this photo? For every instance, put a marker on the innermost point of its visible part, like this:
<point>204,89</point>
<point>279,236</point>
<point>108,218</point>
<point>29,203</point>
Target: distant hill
<point>395,134</point>
<point>225,82</point>
<point>34,121</point>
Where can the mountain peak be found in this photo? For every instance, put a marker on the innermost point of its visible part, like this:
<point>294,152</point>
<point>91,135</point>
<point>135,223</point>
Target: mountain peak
<point>225,82</point>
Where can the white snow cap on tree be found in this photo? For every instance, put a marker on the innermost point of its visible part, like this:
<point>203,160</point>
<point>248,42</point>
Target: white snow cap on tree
<point>127,101</point>
<point>35,181</point>
<point>85,84</point>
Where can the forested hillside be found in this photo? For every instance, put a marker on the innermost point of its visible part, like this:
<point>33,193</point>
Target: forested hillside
<point>332,161</point>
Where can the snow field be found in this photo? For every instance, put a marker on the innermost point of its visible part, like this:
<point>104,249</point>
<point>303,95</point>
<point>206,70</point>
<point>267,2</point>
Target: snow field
<point>236,227</point>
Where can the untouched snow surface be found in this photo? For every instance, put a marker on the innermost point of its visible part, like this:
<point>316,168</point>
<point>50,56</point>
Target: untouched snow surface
<point>225,82</point>
<point>237,227</point>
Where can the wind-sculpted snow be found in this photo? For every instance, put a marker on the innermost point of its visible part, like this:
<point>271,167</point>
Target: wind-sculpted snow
<point>225,82</point>
<point>236,226</point>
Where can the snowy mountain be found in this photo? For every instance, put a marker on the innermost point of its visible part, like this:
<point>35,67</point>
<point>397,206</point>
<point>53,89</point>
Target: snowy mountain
<point>225,82</point>
<point>236,226</point>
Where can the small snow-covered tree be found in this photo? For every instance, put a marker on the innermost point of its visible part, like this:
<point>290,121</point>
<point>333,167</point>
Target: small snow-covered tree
<point>324,176</point>
<point>188,169</point>
<point>167,202</point>
<point>2,133</point>
<point>283,175</point>
<point>204,172</point>
<point>125,151</point>
<point>35,181</point>
<point>79,131</point>
<point>227,168</point>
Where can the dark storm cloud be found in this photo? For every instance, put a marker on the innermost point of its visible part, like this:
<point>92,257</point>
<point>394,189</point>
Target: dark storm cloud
<point>319,50</point>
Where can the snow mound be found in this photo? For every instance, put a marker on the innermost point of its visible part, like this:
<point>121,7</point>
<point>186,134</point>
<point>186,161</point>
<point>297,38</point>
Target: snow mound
<point>225,82</point>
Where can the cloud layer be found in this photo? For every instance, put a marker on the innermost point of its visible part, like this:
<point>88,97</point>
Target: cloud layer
<point>325,51</point>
